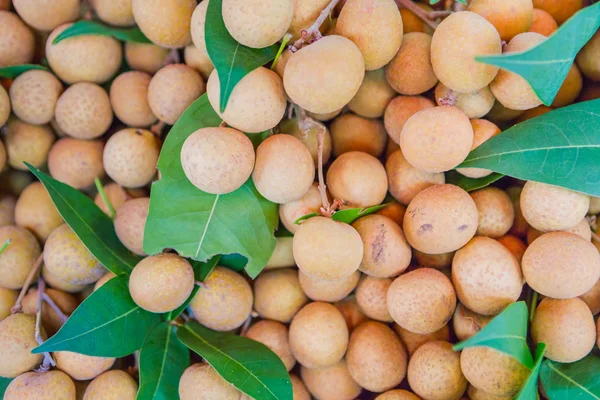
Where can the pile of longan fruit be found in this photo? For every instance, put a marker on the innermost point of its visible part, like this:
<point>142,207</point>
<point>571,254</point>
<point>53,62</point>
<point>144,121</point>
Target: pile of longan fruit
<point>380,98</point>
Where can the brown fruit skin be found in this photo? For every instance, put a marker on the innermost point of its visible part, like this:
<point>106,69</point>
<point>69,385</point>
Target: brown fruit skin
<point>570,89</point>
<point>349,132</point>
<point>400,110</point>
<point>561,10</point>
<point>376,357</point>
<point>397,394</point>
<point>351,312</point>
<point>373,96</point>
<point>476,394</point>
<point>80,366</point>
<point>76,162</point>
<point>592,298</point>
<point>165,22</point>
<point>474,105</point>
<point>309,203</point>
<point>394,211</point>
<point>17,45</point>
<point>112,385</point>
<point>534,112</point>
<point>483,130</point>
<point>412,23</point>
<point>5,5</point>
<point>328,291</point>
<point>520,225</point>
<point>543,23</point>
<point>130,221</point>
<point>36,211</point>
<point>309,138</point>
<point>371,296</point>
<point>274,335</point>
<point>199,60</point>
<point>18,258</point>
<point>7,301</point>
<point>33,96</point>
<point>50,385</point>
<point>16,342</point>
<point>496,212</point>
<point>278,295</point>
<point>299,390</point>
<point>561,265</point>
<point>58,283</point>
<point>509,17</point>
<point>201,380</point>
<point>145,57</point>
<point>421,301</point>
<point>27,143</point>
<point>514,245</point>
<point>500,114</point>
<point>129,99</point>
<point>318,335</point>
<point>456,42</point>
<point>331,383</point>
<point>410,71</point>
<point>412,341</point>
<point>434,372</point>
<point>587,59</point>
<point>566,327</point>
<point>4,106</point>
<point>437,261</point>
<point>50,319</point>
<point>114,12</point>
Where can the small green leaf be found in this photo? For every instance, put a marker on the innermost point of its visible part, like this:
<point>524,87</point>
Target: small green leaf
<point>248,365</point>
<point>12,71</point>
<point>529,391</point>
<point>579,380</point>
<point>546,65</point>
<point>560,148</point>
<point>94,228</point>
<point>84,27</point>
<point>470,184</point>
<point>4,246</point>
<point>163,359</point>
<point>232,60</point>
<point>507,333</point>
<point>107,324</point>
<point>352,214</point>
<point>4,382</point>
<point>305,217</point>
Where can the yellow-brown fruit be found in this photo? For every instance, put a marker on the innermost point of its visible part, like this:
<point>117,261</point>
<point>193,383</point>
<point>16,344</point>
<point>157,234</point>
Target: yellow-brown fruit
<point>394,211</point>
<point>326,290</point>
<point>283,255</point>
<point>592,298</point>
<point>325,116</point>
<point>114,12</point>
<point>474,105</point>
<point>437,261</point>
<point>130,221</point>
<point>318,335</point>
<point>27,143</point>
<point>412,341</point>
<point>376,357</point>
<point>18,258</point>
<point>440,219</point>
<point>33,96</point>
<point>500,114</point>
<point>582,229</point>
<point>339,258</point>
<point>300,392</point>
<point>165,22</point>
<point>76,162</point>
<point>543,23</point>
<point>434,372</point>
<point>278,295</point>
<point>145,57</point>
<point>587,59</point>
<point>410,71</point>
<point>201,380</point>
<point>351,312</point>
<point>14,181</point>
<point>483,130</point>
<point>496,212</point>
<point>561,265</point>
<point>217,160</point>
<point>5,5</point>
<point>274,335</point>
<point>45,15</point>
<point>371,296</point>
<point>456,42</point>
<point>534,112</point>
<point>129,99</point>
<point>51,321</point>
<point>199,60</point>
<point>262,88</point>
<point>7,301</point>
<point>116,195</point>
<point>107,277</point>
<point>112,385</point>
<point>373,96</point>
<point>509,17</point>
<point>514,245</point>
<point>561,10</point>
<point>309,203</point>
<point>330,383</point>
<point>17,43</point>
<point>48,385</point>
<point>305,14</point>
<point>309,137</point>
<point>467,323</point>
<point>349,132</point>
<point>284,169</point>
<point>400,110</point>
<point>16,342</point>
<point>80,366</point>
<point>397,394</point>
<point>172,89</point>
<point>337,70</point>
<point>226,301</point>
<point>520,225</point>
<point>197,26</point>
<point>421,301</point>
<point>570,89</point>
<point>57,283</point>
<point>4,106</point>
<point>476,394</point>
<point>36,211</point>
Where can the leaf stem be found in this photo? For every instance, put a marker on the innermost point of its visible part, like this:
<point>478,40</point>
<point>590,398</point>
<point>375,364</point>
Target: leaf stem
<point>111,210</point>
<point>533,305</point>
<point>286,38</point>
<point>62,316</point>
<point>5,245</point>
<point>48,361</point>
<point>314,28</point>
<point>36,266</point>
<point>418,11</point>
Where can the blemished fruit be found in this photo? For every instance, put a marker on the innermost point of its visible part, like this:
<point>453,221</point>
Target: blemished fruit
<point>114,12</point>
<point>373,96</point>
<point>496,212</point>
<point>165,22</point>
<point>201,380</point>
<point>474,105</point>
<point>33,96</point>
<point>509,17</point>
<point>51,321</point>
<point>199,60</point>
<point>406,181</point>
<point>217,160</point>
<point>543,23</point>
<point>274,335</point>
<point>16,342</point>
<point>129,99</point>
<point>410,71</point>
<point>412,341</point>
<point>482,131</point>
<point>587,58</point>
<point>76,162</point>
<point>145,57</point>
<point>112,385</point>
<point>7,301</point>
<point>400,110</point>
<point>371,297</point>
<point>397,394</point>
<point>197,25</point>
<point>278,295</point>
<point>561,10</point>
<point>130,221</point>
<point>18,258</point>
<point>309,137</point>
<point>27,143</point>
<point>330,383</point>
<point>36,211</point>
<point>17,43</point>
<point>309,203</point>
<point>80,366</point>
<point>349,132</point>
<point>328,290</point>
<point>46,15</point>
<point>47,385</point>
<point>467,323</point>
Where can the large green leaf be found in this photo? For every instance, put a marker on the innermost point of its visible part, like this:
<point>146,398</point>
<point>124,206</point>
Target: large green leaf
<point>12,71</point>
<point>84,27</point>
<point>507,333</point>
<point>107,324</point>
<point>163,359</point>
<point>248,365</point>
<point>4,382</point>
<point>232,60</point>
<point>470,184</point>
<point>90,224</point>
<point>529,391</point>
<point>579,380</point>
<point>561,148</point>
<point>201,225</point>
<point>546,65</point>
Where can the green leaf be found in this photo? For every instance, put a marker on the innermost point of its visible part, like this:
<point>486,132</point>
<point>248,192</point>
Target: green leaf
<point>529,391</point>
<point>12,71</point>
<point>107,324</point>
<point>507,333</point>
<point>84,27</point>
<point>248,365</point>
<point>546,65</point>
<point>5,245</point>
<point>201,225</point>
<point>432,2</point>
<point>579,380</point>
<point>4,382</point>
<point>560,148</point>
<point>305,217</point>
<point>232,60</point>
<point>94,228</point>
<point>352,214</point>
<point>470,184</point>
<point>163,359</point>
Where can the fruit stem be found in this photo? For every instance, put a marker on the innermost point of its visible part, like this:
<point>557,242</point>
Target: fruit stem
<point>5,245</point>
<point>63,317</point>
<point>48,361</point>
<point>284,42</point>
<point>111,210</point>
<point>36,266</point>
<point>534,300</point>
<point>322,187</point>
<point>418,11</point>
<point>157,128</point>
<point>314,28</point>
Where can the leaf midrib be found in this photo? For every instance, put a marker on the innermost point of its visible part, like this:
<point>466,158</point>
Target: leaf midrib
<point>164,359</point>
<point>568,379</point>
<point>531,150</point>
<point>210,216</point>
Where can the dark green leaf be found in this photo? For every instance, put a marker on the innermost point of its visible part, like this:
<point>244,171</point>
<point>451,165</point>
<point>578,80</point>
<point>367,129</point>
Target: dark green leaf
<point>560,148</point>
<point>107,324</point>
<point>529,391</point>
<point>232,60</point>
<point>470,184</point>
<point>201,225</point>
<point>4,382</point>
<point>163,359</point>
<point>11,72</point>
<point>352,214</point>
<point>507,333</point>
<point>546,65</point>
<point>234,262</point>
<point>579,380</point>
<point>305,217</point>
<point>257,138</point>
<point>248,365</point>
<point>84,27</point>
<point>90,224</point>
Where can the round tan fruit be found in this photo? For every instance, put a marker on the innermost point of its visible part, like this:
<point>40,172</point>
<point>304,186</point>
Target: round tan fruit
<point>283,255</point>
<point>76,162</point>
<point>16,342</point>
<point>482,131</point>
<point>592,298</point>
<point>349,132</point>
<point>496,212</point>
<point>45,15</point>
<point>116,195</point>
<point>309,203</point>
<point>373,96</point>
<point>466,323</point>
<point>309,137</point>
<point>130,222</point>
<point>474,105</point>
<point>27,143</point>
<point>7,301</point>
<point>514,244</point>
<point>198,25</point>
<point>112,385</point>
<point>543,23</point>
<point>18,258</point>
<point>274,335</point>
<point>561,10</point>
<point>80,366</point>
<point>278,295</point>
<point>397,394</point>
<point>17,43</point>
<point>509,17</point>
<point>476,394</point>
<point>5,107</point>
<point>351,312</point>
<point>114,12</point>
<point>202,380</point>
<point>48,385</point>
<point>587,58</point>
<point>129,99</point>
<point>57,283</point>
<point>36,211</point>
<point>145,57</point>
<point>412,341</point>
<point>33,96</point>
<point>570,89</point>
<point>400,110</point>
<point>326,290</point>
<point>330,383</point>
<point>165,22</point>
<point>199,60</point>
<point>410,71</point>
<point>371,296</point>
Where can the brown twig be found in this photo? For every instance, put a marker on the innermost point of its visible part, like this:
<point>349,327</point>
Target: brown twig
<point>418,11</point>
<point>313,31</point>
<point>61,315</point>
<point>48,361</point>
<point>36,266</point>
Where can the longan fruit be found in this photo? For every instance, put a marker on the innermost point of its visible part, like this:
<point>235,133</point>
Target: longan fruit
<point>283,255</point>
<point>129,99</point>
<point>483,130</point>
<point>350,132</point>
<point>217,160</point>
<point>592,298</point>
<point>371,296</point>
<point>4,106</point>
<point>582,229</point>
<point>76,162</point>
<point>112,385</point>
<point>130,221</point>
<point>326,290</point>
<point>284,170</point>
<point>496,212</point>
<point>509,17</point>
<point>165,22</point>
<point>561,10</point>
<point>410,71</point>
<point>412,341</point>
<point>520,225</point>
<point>397,394</point>
<point>570,89</point>
<point>394,211</point>
<point>351,312</point>
<point>274,335</point>
<point>325,116</point>
<point>400,110</point>
<point>16,261</point>
<point>100,282</point>
<point>455,44</point>
<point>514,245</point>
<point>114,12</point>
<point>145,57</point>
<point>80,366</point>
<point>337,70</point>
<point>36,211</point>
<point>467,323</point>
<point>201,380</point>
<point>172,89</point>
<point>373,96</point>
<point>440,219</point>
<point>305,14</point>
<point>27,143</point>
<point>421,301</point>
<point>8,298</point>
<point>543,23</point>
<point>500,114</point>
<point>51,321</point>
<point>406,181</point>
<point>476,394</point>
<point>376,357</point>
<point>437,261</point>
<point>46,15</point>
<point>309,203</point>
<point>17,43</point>
<point>587,58</point>
<point>47,385</point>
<point>300,392</point>
<point>278,295</point>
<point>33,96</point>
<point>116,195</point>
<point>56,282</point>
<point>326,249</point>
<point>17,339</point>
<point>197,25</point>
<point>199,60</point>
<point>262,88</point>
<point>330,383</point>
<point>474,105</point>
<point>226,301</point>
<point>309,138</point>
<point>534,112</point>
<point>318,336</point>
<point>561,265</point>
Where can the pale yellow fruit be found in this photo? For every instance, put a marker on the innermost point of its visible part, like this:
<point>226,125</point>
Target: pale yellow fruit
<point>400,110</point>
<point>371,296</point>
<point>398,394</point>
<point>7,301</point>
<point>145,57</point>
<point>16,342</point>
<point>51,321</point>
<point>17,43</point>
<point>278,295</point>
<point>326,290</point>
<point>129,99</point>
<point>350,132</point>
<point>202,381</point>
<point>373,96</point>
<point>80,366</point>
<point>283,255</point>
<point>309,203</point>
<point>114,12</point>
<point>330,383</point>
<point>27,143</point>
<point>570,88</point>
<point>33,96</point>
<point>474,105</point>
<point>587,58</point>
<point>412,341</point>
<point>324,116</point>
<point>50,385</point>
<point>130,221</point>
<point>112,385</point>
<point>410,71</point>
<point>197,25</point>
<point>483,130</point>
<point>199,60</point>
<point>467,323</point>
<point>509,17</point>
<point>45,15</point>
<point>165,22</point>
<point>36,211</point>
<point>18,258</point>
<point>116,195</point>
<point>217,160</point>
<point>476,394</point>
<point>76,162</point>
<point>309,136</point>
<point>4,106</point>
<point>561,10</point>
<point>57,283</point>
<point>274,335</point>
<point>456,42</point>
<point>496,212</point>
<point>305,14</point>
